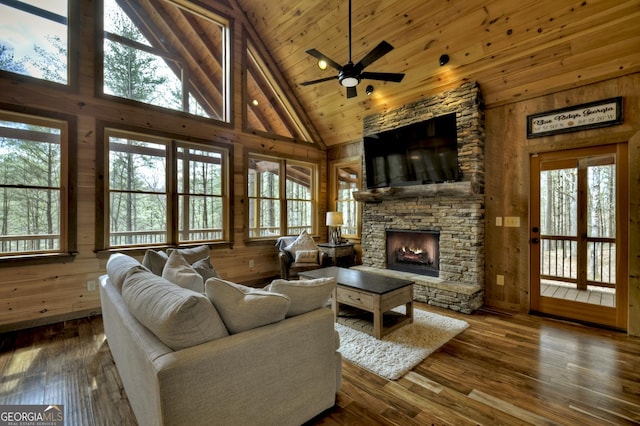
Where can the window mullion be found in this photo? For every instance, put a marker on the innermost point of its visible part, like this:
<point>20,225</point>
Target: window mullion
<point>172,193</point>
<point>284,224</point>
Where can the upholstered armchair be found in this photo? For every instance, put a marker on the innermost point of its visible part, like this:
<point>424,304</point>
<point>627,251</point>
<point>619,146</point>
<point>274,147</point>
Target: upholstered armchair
<point>299,254</point>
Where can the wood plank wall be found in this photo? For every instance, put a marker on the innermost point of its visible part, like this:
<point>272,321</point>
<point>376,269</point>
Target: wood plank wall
<point>38,294</point>
<point>507,182</point>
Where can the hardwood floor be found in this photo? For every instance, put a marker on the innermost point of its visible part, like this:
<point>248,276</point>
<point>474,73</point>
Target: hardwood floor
<point>504,369</point>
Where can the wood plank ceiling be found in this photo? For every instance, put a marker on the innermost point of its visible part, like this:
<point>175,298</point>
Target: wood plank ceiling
<point>514,49</point>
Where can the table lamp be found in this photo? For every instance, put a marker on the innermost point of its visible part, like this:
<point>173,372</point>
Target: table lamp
<point>334,222</point>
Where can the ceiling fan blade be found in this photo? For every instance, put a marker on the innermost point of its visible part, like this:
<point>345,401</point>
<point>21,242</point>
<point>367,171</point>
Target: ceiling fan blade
<point>384,76</point>
<point>352,92</point>
<point>319,56</point>
<point>378,52</point>
<point>306,83</point>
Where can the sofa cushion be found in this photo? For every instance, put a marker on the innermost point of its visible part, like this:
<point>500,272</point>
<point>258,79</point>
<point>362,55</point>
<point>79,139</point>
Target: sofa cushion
<point>205,269</point>
<point>243,308</point>
<point>118,266</point>
<point>180,318</point>
<point>306,256</point>
<point>303,242</point>
<point>155,261</point>
<point>180,272</point>
<point>193,254</point>
<point>305,295</point>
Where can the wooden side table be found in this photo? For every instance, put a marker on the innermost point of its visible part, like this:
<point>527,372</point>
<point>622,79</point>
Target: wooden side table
<point>343,255</point>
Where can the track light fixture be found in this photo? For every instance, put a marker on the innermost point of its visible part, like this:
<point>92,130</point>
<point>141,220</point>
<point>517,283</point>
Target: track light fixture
<point>369,89</point>
<point>444,59</point>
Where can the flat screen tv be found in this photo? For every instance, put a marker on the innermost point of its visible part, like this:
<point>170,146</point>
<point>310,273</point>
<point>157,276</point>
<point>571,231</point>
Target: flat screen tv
<point>419,153</point>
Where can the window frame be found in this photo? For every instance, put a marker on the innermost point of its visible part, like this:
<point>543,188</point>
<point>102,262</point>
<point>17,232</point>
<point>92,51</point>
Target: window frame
<point>227,62</point>
<point>172,142</point>
<point>282,198</point>
<point>68,184</point>
<point>272,98</point>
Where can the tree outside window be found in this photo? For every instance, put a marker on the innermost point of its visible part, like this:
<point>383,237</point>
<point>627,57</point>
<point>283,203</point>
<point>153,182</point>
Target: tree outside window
<point>274,202</point>
<point>146,210</point>
<point>155,61</point>
<point>33,199</point>
<point>34,39</point>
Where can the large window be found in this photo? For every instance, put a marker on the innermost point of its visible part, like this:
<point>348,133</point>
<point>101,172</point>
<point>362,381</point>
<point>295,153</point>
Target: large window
<point>146,208</point>
<point>34,39</point>
<point>35,186</point>
<point>268,110</point>
<point>345,179</point>
<point>167,55</point>
<point>280,206</point>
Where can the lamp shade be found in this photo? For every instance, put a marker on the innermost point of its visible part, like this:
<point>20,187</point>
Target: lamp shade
<point>334,219</point>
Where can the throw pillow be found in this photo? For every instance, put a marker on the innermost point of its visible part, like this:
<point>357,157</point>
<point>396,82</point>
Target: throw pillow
<point>205,269</point>
<point>305,295</point>
<point>307,256</point>
<point>303,242</point>
<point>178,271</point>
<point>118,266</point>
<point>193,254</point>
<point>243,308</point>
<point>155,261</point>
<point>180,318</point>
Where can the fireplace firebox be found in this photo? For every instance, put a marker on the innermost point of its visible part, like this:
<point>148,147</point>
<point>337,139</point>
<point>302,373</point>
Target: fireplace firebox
<point>415,251</point>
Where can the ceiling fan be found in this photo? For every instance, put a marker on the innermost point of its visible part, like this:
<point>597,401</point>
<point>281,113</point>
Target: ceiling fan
<point>350,74</point>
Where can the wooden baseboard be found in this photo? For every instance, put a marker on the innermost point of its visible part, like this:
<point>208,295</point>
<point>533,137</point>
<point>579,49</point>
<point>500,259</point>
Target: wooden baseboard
<point>5,328</point>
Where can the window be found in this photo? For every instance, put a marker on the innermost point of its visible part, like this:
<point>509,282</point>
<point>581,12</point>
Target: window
<point>142,199</point>
<point>280,206</point>
<point>346,179</point>
<point>35,185</point>
<point>168,56</point>
<point>34,39</point>
<point>267,108</point>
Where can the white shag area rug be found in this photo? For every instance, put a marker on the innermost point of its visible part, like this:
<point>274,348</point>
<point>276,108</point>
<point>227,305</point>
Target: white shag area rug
<point>402,349</point>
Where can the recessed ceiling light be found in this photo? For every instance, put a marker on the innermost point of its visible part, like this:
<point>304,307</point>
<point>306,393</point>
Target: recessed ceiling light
<point>254,102</point>
<point>322,64</point>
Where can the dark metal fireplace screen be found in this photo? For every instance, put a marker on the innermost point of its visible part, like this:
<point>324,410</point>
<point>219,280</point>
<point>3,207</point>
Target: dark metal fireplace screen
<point>413,251</point>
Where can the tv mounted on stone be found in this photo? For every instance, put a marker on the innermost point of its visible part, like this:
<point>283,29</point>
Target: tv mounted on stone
<point>419,153</point>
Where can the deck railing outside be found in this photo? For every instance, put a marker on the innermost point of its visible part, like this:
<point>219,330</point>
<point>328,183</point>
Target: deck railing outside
<point>559,260</point>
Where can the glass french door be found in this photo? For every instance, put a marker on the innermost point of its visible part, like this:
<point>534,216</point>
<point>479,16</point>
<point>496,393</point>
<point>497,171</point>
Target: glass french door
<point>578,234</point>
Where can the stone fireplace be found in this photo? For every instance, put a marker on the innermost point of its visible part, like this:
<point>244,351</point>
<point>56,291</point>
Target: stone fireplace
<point>454,210</point>
<point>413,251</point>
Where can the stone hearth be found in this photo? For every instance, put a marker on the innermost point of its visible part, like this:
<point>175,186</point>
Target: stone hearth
<point>455,210</point>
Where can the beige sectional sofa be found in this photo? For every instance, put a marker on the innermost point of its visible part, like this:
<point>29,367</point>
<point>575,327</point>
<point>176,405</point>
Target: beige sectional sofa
<point>190,370</point>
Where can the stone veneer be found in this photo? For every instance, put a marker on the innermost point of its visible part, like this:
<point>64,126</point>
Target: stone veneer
<point>456,210</point>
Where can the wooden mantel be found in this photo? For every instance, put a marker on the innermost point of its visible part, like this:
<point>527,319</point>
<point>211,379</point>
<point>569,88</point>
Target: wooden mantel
<point>450,189</point>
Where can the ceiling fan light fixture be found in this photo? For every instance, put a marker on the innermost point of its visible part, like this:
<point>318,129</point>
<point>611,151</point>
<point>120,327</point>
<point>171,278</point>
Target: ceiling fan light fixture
<point>349,81</point>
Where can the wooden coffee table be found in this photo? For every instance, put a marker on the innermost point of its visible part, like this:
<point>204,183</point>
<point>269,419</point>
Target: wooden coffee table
<point>370,292</point>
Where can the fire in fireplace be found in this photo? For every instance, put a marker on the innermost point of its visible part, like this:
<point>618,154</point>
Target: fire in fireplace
<point>413,251</point>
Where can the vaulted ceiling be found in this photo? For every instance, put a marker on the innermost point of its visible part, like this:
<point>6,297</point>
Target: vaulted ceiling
<point>514,49</point>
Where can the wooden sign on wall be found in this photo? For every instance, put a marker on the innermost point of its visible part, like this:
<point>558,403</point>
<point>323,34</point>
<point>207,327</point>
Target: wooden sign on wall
<point>603,113</point>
